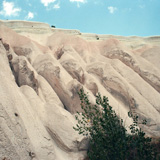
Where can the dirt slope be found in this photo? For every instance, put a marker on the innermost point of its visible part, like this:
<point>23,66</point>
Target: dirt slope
<point>41,71</point>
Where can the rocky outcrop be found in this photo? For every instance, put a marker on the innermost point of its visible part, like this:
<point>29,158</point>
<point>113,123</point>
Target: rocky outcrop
<point>41,71</point>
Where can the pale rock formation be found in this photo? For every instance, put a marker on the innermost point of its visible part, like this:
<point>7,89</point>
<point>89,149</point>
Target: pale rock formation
<point>43,68</point>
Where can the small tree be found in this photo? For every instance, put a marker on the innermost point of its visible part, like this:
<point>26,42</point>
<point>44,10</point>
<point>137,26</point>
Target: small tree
<point>109,139</point>
<point>52,26</point>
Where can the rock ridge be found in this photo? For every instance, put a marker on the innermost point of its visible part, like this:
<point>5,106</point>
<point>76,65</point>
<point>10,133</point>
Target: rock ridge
<point>41,71</point>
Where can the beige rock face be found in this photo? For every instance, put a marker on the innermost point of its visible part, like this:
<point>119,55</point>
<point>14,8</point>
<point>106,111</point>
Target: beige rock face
<point>41,71</point>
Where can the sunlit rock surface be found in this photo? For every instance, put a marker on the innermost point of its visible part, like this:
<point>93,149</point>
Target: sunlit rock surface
<point>43,68</point>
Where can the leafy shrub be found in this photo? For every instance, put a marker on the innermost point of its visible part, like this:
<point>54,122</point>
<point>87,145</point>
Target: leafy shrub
<point>109,139</point>
<point>52,26</point>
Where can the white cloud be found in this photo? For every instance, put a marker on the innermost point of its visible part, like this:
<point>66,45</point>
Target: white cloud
<point>9,9</point>
<point>81,1</point>
<point>78,2</point>
<point>47,2</point>
<point>56,6</point>
<point>30,15</point>
<point>112,9</point>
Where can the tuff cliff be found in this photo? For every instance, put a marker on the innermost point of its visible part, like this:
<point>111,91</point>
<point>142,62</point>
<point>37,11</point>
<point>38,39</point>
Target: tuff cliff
<point>42,69</point>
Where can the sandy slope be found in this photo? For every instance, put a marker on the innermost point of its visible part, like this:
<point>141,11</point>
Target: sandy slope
<point>41,71</point>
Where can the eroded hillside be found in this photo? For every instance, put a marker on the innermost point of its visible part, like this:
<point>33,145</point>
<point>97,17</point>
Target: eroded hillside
<point>41,71</point>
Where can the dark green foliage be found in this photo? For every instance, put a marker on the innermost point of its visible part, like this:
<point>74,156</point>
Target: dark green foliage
<point>109,139</point>
<point>52,26</point>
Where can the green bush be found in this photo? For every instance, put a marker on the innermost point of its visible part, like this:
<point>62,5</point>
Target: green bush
<point>109,139</point>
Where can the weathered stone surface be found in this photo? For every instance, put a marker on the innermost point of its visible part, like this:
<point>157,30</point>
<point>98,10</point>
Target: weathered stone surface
<point>41,71</point>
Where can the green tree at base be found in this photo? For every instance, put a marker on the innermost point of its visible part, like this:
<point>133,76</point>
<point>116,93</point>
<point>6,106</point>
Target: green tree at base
<point>109,139</point>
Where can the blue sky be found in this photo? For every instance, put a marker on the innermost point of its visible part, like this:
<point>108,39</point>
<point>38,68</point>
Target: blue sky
<point>117,17</point>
